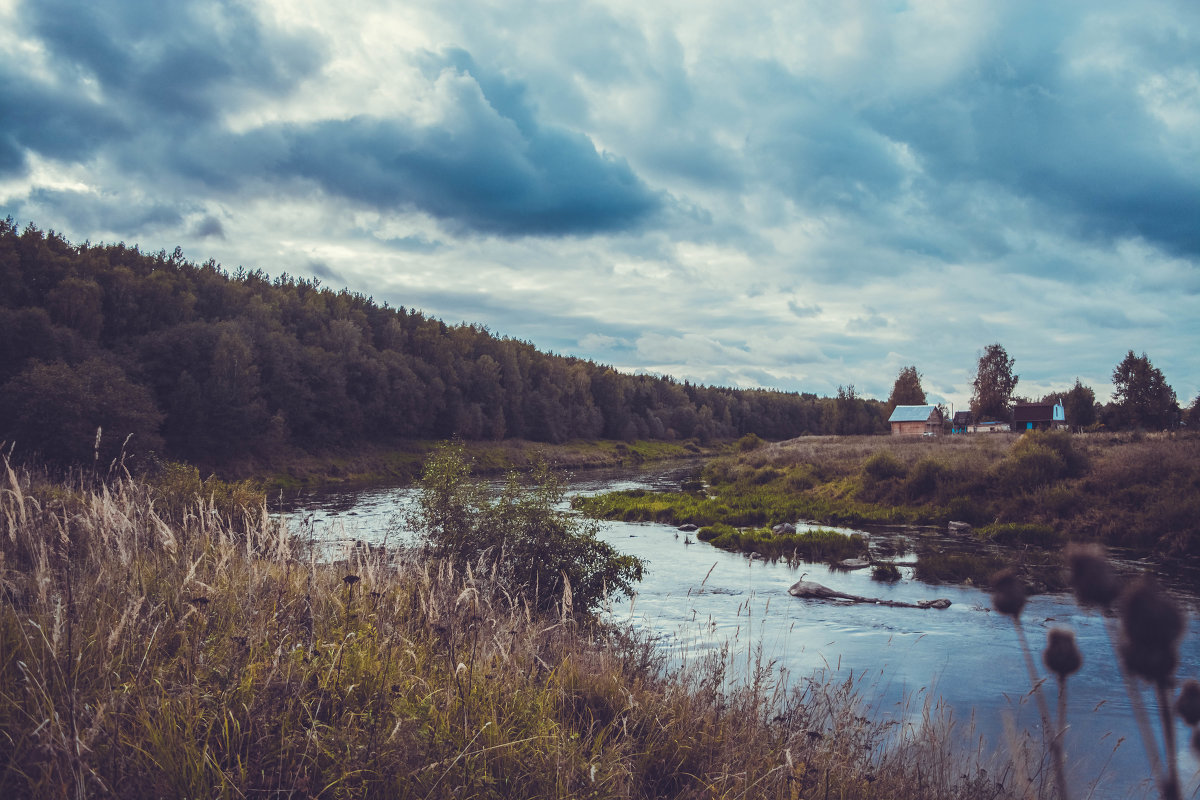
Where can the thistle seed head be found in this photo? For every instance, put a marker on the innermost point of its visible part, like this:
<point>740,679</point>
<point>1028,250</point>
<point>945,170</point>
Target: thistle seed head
<point>1155,664</point>
<point>350,580</point>
<point>1092,577</point>
<point>1151,624</point>
<point>1008,593</point>
<point>1062,656</point>
<point>1188,704</point>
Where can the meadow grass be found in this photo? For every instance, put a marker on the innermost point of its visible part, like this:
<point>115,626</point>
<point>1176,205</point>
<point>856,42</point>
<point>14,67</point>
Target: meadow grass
<point>157,651</point>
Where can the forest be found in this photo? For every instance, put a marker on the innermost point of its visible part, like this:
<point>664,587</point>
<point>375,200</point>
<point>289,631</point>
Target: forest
<point>192,362</point>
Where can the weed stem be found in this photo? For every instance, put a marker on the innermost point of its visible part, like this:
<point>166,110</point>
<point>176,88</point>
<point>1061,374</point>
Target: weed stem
<point>1055,744</point>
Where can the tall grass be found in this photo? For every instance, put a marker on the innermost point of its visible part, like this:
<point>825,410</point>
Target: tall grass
<point>142,657</point>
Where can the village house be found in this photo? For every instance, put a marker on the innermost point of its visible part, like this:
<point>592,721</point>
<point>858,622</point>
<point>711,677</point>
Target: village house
<point>1039,416</point>
<point>916,421</point>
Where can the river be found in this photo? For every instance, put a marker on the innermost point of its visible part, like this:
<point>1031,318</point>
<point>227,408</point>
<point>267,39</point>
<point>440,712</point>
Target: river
<point>695,598</point>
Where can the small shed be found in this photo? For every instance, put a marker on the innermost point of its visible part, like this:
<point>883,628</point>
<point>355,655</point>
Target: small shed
<point>989,426</point>
<point>916,421</point>
<point>962,420</point>
<point>1039,416</point>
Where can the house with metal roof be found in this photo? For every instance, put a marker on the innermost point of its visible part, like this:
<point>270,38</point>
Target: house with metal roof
<point>1039,416</point>
<point>916,421</point>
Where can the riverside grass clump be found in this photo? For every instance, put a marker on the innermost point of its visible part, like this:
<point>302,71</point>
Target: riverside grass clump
<point>818,545</point>
<point>141,657</point>
<point>1145,633</point>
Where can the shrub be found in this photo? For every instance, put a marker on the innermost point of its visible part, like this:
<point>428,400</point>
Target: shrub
<point>1030,466</point>
<point>748,442</point>
<point>539,550</point>
<point>967,509</point>
<point>886,573</point>
<point>882,466</point>
<point>178,490</point>
<point>924,479</point>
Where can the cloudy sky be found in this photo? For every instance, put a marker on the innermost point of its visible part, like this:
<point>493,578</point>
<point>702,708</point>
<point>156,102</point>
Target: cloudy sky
<point>790,195</point>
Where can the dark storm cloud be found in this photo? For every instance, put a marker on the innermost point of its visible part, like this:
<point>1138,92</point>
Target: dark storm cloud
<point>58,123</point>
<point>495,169</point>
<point>166,71</point>
<point>478,176</point>
<point>174,58</point>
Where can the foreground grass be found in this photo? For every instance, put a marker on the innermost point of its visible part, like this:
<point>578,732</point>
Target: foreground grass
<point>150,649</point>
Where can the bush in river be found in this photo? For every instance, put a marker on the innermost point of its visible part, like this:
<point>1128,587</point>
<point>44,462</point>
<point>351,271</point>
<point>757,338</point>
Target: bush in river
<point>818,545</point>
<point>539,550</point>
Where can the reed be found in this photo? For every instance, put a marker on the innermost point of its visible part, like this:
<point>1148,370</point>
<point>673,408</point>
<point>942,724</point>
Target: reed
<point>142,656</point>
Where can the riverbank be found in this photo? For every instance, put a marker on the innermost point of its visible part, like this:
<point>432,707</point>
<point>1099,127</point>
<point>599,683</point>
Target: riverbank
<point>200,654</point>
<point>1029,493</point>
<point>401,463</point>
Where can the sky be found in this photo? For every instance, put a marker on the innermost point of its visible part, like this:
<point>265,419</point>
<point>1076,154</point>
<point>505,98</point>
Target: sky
<point>797,196</point>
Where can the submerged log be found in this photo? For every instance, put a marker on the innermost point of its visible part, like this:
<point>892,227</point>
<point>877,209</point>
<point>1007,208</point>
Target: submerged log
<point>814,591</point>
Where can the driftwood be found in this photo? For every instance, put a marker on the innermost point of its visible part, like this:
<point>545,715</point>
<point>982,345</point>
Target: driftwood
<point>814,591</point>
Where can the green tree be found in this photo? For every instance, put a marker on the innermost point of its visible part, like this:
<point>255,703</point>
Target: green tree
<point>1079,405</point>
<point>1142,392</point>
<point>58,408</point>
<point>907,391</point>
<point>993,385</point>
<point>537,548</point>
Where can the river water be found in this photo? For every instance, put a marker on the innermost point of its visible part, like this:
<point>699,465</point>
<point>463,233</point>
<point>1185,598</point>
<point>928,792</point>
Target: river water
<point>695,599</point>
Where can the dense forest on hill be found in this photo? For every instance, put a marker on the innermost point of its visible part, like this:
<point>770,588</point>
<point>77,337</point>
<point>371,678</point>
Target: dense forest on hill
<point>205,365</point>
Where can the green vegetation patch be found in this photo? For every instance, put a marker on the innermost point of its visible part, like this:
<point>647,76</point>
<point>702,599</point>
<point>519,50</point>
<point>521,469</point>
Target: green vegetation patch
<point>817,545</point>
<point>885,573</point>
<point>976,568</point>
<point>1014,533</point>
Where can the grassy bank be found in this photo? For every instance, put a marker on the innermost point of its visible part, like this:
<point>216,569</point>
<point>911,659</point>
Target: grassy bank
<point>399,464</point>
<point>167,649</point>
<point>1033,492</point>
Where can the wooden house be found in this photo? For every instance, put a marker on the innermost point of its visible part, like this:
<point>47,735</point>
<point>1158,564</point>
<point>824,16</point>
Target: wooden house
<point>1039,416</point>
<point>916,421</point>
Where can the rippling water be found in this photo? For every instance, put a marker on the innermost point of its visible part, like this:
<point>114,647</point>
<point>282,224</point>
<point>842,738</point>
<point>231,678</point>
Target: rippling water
<point>695,598</point>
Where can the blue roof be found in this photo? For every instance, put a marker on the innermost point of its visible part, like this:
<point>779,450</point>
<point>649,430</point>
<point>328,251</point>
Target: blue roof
<point>912,413</point>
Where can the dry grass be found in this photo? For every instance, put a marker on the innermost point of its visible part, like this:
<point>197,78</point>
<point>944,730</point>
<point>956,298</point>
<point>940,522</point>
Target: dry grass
<point>192,658</point>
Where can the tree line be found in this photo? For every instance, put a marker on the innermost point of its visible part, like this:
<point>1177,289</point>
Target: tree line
<point>1142,398</point>
<point>197,363</point>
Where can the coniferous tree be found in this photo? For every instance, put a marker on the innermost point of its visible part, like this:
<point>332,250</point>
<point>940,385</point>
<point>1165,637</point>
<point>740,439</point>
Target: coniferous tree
<point>907,391</point>
<point>993,385</point>
<point>1142,392</point>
